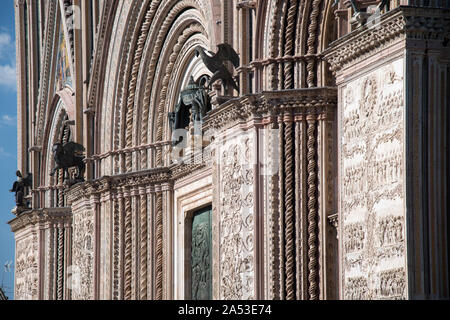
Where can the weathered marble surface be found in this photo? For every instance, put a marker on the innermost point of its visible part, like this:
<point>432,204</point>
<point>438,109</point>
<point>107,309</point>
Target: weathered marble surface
<point>237,260</point>
<point>372,180</point>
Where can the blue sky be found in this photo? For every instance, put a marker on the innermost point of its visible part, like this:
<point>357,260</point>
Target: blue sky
<point>8,139</point>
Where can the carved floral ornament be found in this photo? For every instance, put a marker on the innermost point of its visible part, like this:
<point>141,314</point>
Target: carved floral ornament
<point>237,242</point>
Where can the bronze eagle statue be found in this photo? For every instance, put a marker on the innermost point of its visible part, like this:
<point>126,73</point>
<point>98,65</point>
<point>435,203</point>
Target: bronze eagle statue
<point>67,156</point>
<point>215,62</point>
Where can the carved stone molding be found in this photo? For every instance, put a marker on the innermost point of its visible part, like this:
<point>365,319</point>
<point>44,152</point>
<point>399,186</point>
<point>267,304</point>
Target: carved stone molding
<point>266,105</point>
<point>41,216</point>
<point>402,23</point>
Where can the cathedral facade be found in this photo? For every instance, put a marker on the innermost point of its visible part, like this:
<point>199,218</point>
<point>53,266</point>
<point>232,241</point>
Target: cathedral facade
<point>314,168</point>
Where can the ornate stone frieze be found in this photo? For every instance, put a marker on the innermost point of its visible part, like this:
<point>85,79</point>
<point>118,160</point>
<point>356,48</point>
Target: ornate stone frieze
<point>35,217</point>
<point>268,104</point>
<point>400,23</point>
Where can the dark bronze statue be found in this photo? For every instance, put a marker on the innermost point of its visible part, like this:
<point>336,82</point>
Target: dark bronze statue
<point>216,64</point>
<point>193,105</point>
<point>354,6</point>
<point>383,4</point>
<point>67,156</point>
<point>19,187</point>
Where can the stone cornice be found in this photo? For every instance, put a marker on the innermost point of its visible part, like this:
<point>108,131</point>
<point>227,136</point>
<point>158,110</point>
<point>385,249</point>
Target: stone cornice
<point>399,24</point>
<point>41,216</point>
<point>273,103</point>
<point>132,180</point>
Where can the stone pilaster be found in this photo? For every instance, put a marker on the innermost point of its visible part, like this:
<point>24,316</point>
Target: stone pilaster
<point>392,77</point>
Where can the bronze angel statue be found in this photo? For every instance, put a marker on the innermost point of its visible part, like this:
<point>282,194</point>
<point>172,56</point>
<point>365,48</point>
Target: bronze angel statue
<point>67,156</point>
<point>19,187</point>
<point>215,62</point>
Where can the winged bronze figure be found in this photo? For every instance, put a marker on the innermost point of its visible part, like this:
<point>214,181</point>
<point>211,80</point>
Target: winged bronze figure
<point>215,62</point>
<point>67,156</point>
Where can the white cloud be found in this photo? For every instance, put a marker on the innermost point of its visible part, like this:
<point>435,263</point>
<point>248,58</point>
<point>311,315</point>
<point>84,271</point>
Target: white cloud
<point>8,120</point>
<point>8,76</point>
<point>7,47</point>
<point>7,61</point>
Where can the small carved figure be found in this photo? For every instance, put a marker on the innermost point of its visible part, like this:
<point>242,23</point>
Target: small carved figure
<point>19,187</point>
<point>216,64</point>
<point>67,156</point>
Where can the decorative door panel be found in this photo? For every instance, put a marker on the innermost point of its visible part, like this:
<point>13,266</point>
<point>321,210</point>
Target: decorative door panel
<point>201,255</point>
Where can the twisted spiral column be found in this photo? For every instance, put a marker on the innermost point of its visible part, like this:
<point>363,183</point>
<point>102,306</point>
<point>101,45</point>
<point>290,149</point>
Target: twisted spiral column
<point>312,30</point>
<point>159,248</point>
<point>60,188</point>
<point>289,209</point>
<point>116,246</point>
<point>60,289</point>
<point>289,46</point>
<point>281,225</point>
<point>143,248</point>
<point>312,210</point>
<point>273,45</point>
<point>50,275</point>
<point>128,246</point>
<point>146,101</point>
<point>132,86</point>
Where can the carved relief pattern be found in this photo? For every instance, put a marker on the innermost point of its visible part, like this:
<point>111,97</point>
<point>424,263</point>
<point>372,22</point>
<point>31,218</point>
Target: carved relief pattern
<point>27,269</point>
<point>372,199</point>
<point>60,273</point>
<point>159,248</point>
<point>289,211</point>
<point>116,249</point>
<point>128,247</point>
<point>143,246</point>
<point>313,290</point>
<point>236,215</point>
<point>83,254</point>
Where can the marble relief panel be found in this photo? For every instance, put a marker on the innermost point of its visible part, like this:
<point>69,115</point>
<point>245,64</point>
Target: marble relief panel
<point>27,282</point>
<point>83,254</point>
<point>372,183</point>
<point>236,204</point>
